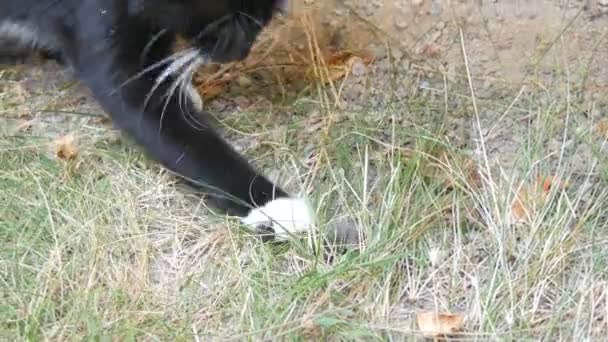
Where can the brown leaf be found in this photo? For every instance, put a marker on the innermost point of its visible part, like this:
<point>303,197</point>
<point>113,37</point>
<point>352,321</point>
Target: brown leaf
<point>433,324</point>
<point>602,128</point>
<point>530,198</point>
<point>310,330</point>
<point>547,182</point>
<point>431,50</point>
<point>519,207</point>
<point>211,90</point>
<point>65,147</point>
<point>336,73</point>
<point>339,64</point>
<point>24,125</point>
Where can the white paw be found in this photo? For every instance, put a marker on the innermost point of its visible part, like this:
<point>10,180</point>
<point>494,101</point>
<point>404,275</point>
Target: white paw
<point>285,216</point>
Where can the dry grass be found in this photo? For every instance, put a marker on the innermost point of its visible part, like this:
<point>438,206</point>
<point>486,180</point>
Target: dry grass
<point>106,246</point>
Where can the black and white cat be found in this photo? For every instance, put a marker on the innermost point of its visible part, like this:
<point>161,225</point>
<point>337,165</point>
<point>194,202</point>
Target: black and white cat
<point>123,51</point>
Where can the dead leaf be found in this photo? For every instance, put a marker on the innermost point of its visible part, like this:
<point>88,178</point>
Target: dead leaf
<point>431,50</point>
<point>336,73</point>
<point>212,90</point>
<point>340,63</point>
<point>453,170</point>
<point>547,182</point>
<point>433,324</point>
<point>602,128</point>
<point>65,147</point>
<point>18,93</point>
<point>310,330</point>
<point>528,199</point>
<point>24,125</point>
<point>519,207</point>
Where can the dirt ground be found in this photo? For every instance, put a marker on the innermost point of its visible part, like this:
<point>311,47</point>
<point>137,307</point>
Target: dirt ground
<point>505,40</point>
<point>556,47</point>
<point>511,46</point>
<point>521,56</point>
<point>497,75</point>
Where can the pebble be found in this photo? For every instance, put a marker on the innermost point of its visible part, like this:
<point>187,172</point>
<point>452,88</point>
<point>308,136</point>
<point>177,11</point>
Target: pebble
<point>358,69</point>
<point>54,118</point>
<point>436,8</point>
<point>378,51</point>
<point>218,105</point>
<point>244,81</point>
<point>400,23</point>
<point>356,91</point>
<point>397,54</point>
<point>369,10</point>
<point>242,101</point>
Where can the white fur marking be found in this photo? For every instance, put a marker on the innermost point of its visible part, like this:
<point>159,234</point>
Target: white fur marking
<point>20,32</point>
<point>286,216</point>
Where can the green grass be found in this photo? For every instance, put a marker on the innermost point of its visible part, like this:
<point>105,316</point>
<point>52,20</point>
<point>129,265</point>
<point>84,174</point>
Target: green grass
<point>108,247</point>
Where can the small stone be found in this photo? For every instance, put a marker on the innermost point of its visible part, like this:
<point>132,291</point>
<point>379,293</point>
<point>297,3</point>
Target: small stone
<point>400,23</point>
<point>378,51</point>
<point>358,69</point>
<point>355,92</point>
<point>397,54</point>
<point>218,105</point>
<point>436,8</point>
<point>54,118</point>
<point>242,101</point>
<point>244,81</point>
<point>384,64</point>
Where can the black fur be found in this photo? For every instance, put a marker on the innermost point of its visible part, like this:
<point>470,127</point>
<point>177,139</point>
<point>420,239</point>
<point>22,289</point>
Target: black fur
<point>108,43</point>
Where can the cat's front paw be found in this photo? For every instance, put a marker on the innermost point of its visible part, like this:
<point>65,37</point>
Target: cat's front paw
<point>282,216</point>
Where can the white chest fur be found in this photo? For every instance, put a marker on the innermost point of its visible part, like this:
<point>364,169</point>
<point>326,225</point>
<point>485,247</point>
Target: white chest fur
<point>21,33</point>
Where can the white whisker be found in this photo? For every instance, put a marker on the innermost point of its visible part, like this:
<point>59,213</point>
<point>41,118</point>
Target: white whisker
<point>256,21</point>
<point>184,90</point>
<point>188,70</point>
<point>191,93</point>
<point>149,45</point>
<point>152,67</point>
<point>171,69</point>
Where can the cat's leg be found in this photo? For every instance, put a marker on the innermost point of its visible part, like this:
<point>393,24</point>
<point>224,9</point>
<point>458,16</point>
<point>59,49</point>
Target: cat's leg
<point>52,55</point>
<point>11,52</point>
<point>194,151</point>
